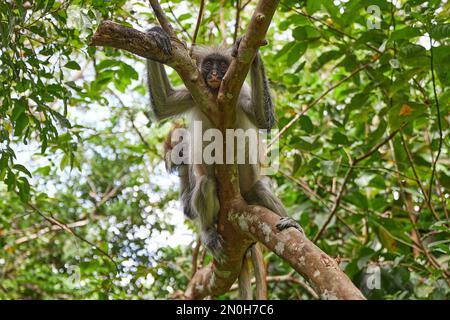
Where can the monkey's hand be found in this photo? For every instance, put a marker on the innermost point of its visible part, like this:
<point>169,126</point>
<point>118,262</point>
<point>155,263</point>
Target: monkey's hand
<point>161,38</point>
<point>286,222</point>
<point>234,51</point>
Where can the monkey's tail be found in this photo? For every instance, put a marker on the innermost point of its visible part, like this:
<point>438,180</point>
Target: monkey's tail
<point>260,272</point>
<point>245,282</point>
<point>245,287</point>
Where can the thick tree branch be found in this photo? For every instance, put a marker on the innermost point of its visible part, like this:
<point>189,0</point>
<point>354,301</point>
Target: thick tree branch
<point>304,256</point>
<point>111,34</point>
<point>237,72</point>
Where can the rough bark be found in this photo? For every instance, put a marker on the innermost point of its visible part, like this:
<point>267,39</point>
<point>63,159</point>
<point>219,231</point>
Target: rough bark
<point>295,248</point>
<point>111,34</point>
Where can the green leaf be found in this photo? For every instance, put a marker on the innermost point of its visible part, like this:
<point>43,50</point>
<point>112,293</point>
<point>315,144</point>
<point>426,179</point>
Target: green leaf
<point>325,58</point>
<point>442,64</point>
<point>339,138</point>
<point>306,124</point>
<point>297,163</point>
<point>404,113</point>
<point>283,51</point>
<point>19,108</point>
<point>329,167</point>
<point>440,31</point>
<point>184,16</point>
<point>411,50</point>
<point>64,161</point>
<point>24,189</point>
<point>20,125</point>
<point>22,169</point>
<point>313,6</point>
<point>129,71</point>
<point>44,171</point>
<point>297,51</point>
<point>406,33</point>
<point>296,20</point>
<point>72,65</point>
<point>305,33</point>
<point>10,180</point>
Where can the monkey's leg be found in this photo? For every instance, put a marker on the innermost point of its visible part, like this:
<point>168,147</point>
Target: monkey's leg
<point>186,191</point>
<point>205,203</point>
<point>165,101</point>
<point>261,194</point>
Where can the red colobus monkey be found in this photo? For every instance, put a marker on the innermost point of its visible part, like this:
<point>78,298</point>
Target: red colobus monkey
<point>255,110</point>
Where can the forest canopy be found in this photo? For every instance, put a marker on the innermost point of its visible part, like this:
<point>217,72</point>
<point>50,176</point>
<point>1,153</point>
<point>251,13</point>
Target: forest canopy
<point>361,95</point>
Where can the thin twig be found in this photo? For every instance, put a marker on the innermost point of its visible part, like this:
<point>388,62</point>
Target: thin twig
<point>65,227</point>
<point>378,146</point>
<point>178,22</point>
<point>162,19</point>
<point>419,183</point>
<point>245,4</point>
<point>436,101</point>
<point>223,30</point>
<point>335,205</point>
<point>312,194</point>
<point>197,25</point>
<point>438,185</point>
<point>139,133</point>
<point>237,22</point>
<point>415,235</point>
<point>46,230</point>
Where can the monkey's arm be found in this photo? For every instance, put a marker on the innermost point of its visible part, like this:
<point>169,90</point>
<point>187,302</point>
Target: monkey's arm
<point>165,101</point>
<point>261,102</point>
<point>257,103</point>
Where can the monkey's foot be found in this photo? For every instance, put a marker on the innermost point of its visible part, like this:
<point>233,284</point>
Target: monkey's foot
<point>214,244</point>
<point>286,222</point>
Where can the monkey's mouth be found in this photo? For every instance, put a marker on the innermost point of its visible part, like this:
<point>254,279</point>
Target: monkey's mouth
<point>214,82</point>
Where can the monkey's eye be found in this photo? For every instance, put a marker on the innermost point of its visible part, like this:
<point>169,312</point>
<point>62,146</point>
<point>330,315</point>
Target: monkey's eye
<point>224,67</point>
<point>208,65</point>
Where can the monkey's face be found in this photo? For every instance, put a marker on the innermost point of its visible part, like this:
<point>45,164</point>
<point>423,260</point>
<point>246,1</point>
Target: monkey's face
<point>213,69</point>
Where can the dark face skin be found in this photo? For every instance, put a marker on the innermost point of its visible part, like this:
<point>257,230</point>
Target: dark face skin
<point>213,69</point>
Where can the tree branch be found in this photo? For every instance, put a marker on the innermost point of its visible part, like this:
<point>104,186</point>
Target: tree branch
<point>111,34</point>
<point>197,25</point>
<point>239,67</point>
<point>162,19</point>
<point>295,248</point>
